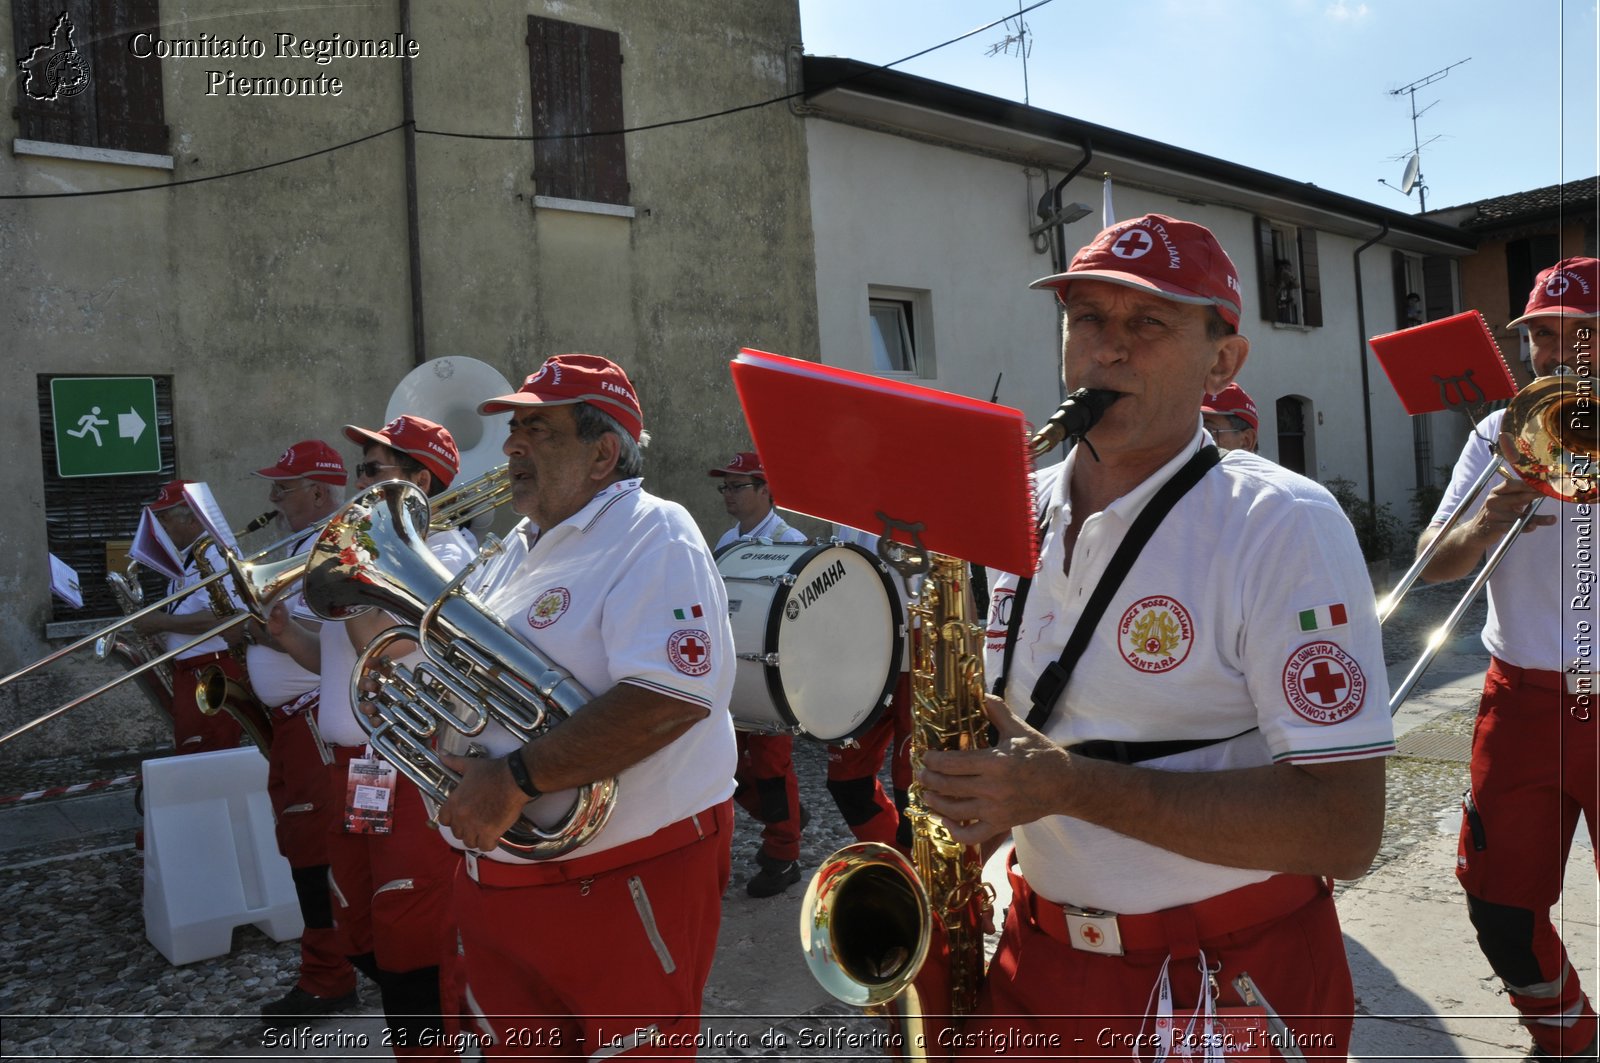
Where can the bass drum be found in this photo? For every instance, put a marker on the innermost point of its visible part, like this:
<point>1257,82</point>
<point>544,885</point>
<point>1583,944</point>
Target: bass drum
<point>819,633</point>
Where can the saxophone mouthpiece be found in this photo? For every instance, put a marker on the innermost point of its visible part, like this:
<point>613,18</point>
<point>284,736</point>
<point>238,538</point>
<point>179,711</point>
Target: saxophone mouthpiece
<point>1078,413</point>
<point>260,522</point>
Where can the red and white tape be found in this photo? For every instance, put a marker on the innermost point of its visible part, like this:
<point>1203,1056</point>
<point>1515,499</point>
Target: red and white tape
<point>63,791</point>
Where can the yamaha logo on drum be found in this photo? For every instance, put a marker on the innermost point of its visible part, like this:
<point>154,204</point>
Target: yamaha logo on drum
<point>808,595</point>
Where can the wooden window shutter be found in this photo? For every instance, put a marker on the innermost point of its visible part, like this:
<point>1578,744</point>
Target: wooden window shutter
<point>1397,262</point>
<point>121,108</point>
<point>1438,296</point>
<point>128,104</point>
<point>575,73</point>
<point>1310,280</point>
<point>1266,271</point>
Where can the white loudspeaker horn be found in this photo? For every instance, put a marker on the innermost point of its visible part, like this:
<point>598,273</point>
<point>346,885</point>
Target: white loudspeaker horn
<point>448,390</point>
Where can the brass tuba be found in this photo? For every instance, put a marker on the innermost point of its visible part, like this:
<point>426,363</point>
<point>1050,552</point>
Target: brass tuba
<point>879,930</point>
<point>475,670</point>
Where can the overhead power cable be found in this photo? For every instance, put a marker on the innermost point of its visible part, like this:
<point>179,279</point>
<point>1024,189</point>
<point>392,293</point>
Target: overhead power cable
<point>531,137</point>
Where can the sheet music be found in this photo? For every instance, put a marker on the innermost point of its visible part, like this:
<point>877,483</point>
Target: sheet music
<point>152,547</point>
<point>206,510</point>
<point>64,582</point>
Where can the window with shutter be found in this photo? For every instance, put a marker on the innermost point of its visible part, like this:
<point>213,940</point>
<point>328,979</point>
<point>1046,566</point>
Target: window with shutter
<point>1288,273</point>
<point>576,77</point>
<point>79,82</point>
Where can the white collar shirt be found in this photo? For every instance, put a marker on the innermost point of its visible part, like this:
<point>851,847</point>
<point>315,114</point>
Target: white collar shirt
<point>772,527</point>
<point>626,591</point>
<point>275,677</point>
<point>199,601</point>
<point>1249,613</point>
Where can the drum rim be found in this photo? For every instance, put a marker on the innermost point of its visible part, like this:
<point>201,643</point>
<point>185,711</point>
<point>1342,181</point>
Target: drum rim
<point>780,699</point>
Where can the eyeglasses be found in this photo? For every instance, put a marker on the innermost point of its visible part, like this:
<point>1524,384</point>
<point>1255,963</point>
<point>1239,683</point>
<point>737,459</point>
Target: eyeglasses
<point>725,488</point>
<point>278,490</point>
<point>370,468</point>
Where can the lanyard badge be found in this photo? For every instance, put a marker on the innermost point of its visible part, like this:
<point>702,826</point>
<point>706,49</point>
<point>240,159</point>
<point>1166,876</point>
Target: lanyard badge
<point>369,796</point>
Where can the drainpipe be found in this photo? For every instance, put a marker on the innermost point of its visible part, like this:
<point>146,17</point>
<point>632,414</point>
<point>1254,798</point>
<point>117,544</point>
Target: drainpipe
<point>419,343</point>
<point>1366,390</point>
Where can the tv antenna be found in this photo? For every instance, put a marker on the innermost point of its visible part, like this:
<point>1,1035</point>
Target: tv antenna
<point>1412,177</point>
<point>1020,38</point>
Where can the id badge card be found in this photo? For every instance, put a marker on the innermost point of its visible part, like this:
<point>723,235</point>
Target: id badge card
<point>1243,1033</point>
<point>369,796</point>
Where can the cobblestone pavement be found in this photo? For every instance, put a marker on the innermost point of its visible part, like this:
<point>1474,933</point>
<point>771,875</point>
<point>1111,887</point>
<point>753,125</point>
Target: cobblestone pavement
<point>78,979</point>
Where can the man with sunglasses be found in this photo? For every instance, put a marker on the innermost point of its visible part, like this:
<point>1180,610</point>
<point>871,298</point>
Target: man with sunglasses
<point>767,786</point>
<point>307,485</point>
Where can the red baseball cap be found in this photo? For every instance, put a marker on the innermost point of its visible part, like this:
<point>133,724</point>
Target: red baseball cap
<point>171,495</point>
<point>1177,260</point>
<point>427,441</point>
<point>309,459</point>
<point>1232,401</point>
<point>744,463</point>
<point>565,379</point>
<point>1570,288</point>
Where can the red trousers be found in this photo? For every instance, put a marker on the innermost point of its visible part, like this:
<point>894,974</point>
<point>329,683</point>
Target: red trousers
<point>1045,998</point>
<point>577,963</point>
<point>768,789</point>
<point>192,730</point>
<point>306,811</point>
<point>853,771</point>
<point>1534,770</point>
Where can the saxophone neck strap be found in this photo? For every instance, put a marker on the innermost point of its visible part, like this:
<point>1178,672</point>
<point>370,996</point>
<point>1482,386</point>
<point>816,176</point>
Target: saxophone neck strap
<point>1053,680</point>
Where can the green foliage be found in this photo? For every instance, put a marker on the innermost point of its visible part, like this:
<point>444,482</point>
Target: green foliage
<point>1378,531</point>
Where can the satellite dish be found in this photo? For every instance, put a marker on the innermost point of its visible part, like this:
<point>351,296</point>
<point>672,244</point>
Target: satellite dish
<point>1409,179</point>
<point>448,390</point>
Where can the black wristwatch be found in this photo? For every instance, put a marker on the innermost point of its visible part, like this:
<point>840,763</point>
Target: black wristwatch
<point>520,776</point>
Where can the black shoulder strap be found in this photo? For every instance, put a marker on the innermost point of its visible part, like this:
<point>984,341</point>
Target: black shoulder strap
<point>1054,678</point>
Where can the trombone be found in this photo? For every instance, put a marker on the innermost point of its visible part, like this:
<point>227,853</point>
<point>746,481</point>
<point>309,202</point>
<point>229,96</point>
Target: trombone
<point>1548,439</point>
<point>260,584</point>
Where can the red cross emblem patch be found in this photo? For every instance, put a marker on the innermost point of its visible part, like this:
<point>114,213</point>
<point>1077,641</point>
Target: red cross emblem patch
<point>1324,684</point>
<point>689,650</point>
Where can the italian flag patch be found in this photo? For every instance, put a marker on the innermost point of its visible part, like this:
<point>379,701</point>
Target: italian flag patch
<point>1323,617</point>
<point>693,612</point>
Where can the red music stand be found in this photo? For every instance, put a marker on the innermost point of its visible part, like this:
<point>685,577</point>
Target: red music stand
<point>892,458</point>
<point>1449,364</point>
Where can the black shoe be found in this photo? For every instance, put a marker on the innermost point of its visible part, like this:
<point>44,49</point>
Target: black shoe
<point>774,877</point>
<point>297,1002</point>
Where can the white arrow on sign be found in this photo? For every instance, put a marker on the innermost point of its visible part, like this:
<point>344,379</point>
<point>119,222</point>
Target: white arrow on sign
<point>130,425</point>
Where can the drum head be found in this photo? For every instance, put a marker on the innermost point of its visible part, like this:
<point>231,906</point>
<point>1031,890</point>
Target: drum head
<point>838,637</point>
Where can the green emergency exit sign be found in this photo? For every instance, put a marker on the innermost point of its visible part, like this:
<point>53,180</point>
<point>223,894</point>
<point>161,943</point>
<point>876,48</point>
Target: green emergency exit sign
<point>105,425</point>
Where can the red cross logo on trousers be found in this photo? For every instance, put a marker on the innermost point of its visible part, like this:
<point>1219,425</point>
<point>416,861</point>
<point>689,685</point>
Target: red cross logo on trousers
<point>1132,244</point>
<point>1091,933</point>
<point>1324,683</point>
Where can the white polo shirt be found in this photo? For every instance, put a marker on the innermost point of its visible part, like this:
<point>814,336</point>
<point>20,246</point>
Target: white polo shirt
<point>625,591</point>
<point>199,601</point>
<point>1249,610</point>
<point>771,527</point>
<point>1542,596</point>
<point>274,676</point>
<point>336,718</point>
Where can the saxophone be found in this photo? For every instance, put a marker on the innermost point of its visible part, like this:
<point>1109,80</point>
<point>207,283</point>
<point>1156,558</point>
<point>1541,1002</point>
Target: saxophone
<point>906,936</point>
<point>133,648</point>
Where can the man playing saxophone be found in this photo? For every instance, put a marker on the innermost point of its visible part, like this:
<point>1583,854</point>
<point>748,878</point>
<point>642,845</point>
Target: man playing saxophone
<point>605,950</point>
<point>1215,754</point>
<point>192,730</point>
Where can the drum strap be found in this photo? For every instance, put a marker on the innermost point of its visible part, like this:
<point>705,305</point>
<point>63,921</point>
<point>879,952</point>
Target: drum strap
<point>1047,691</point>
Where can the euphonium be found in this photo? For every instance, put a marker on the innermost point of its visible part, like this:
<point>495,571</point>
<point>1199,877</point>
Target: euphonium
<point>879,929</point>
<point>475,670</point>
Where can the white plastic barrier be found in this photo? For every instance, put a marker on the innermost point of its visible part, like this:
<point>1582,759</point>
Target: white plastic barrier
<point>211,862</point>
